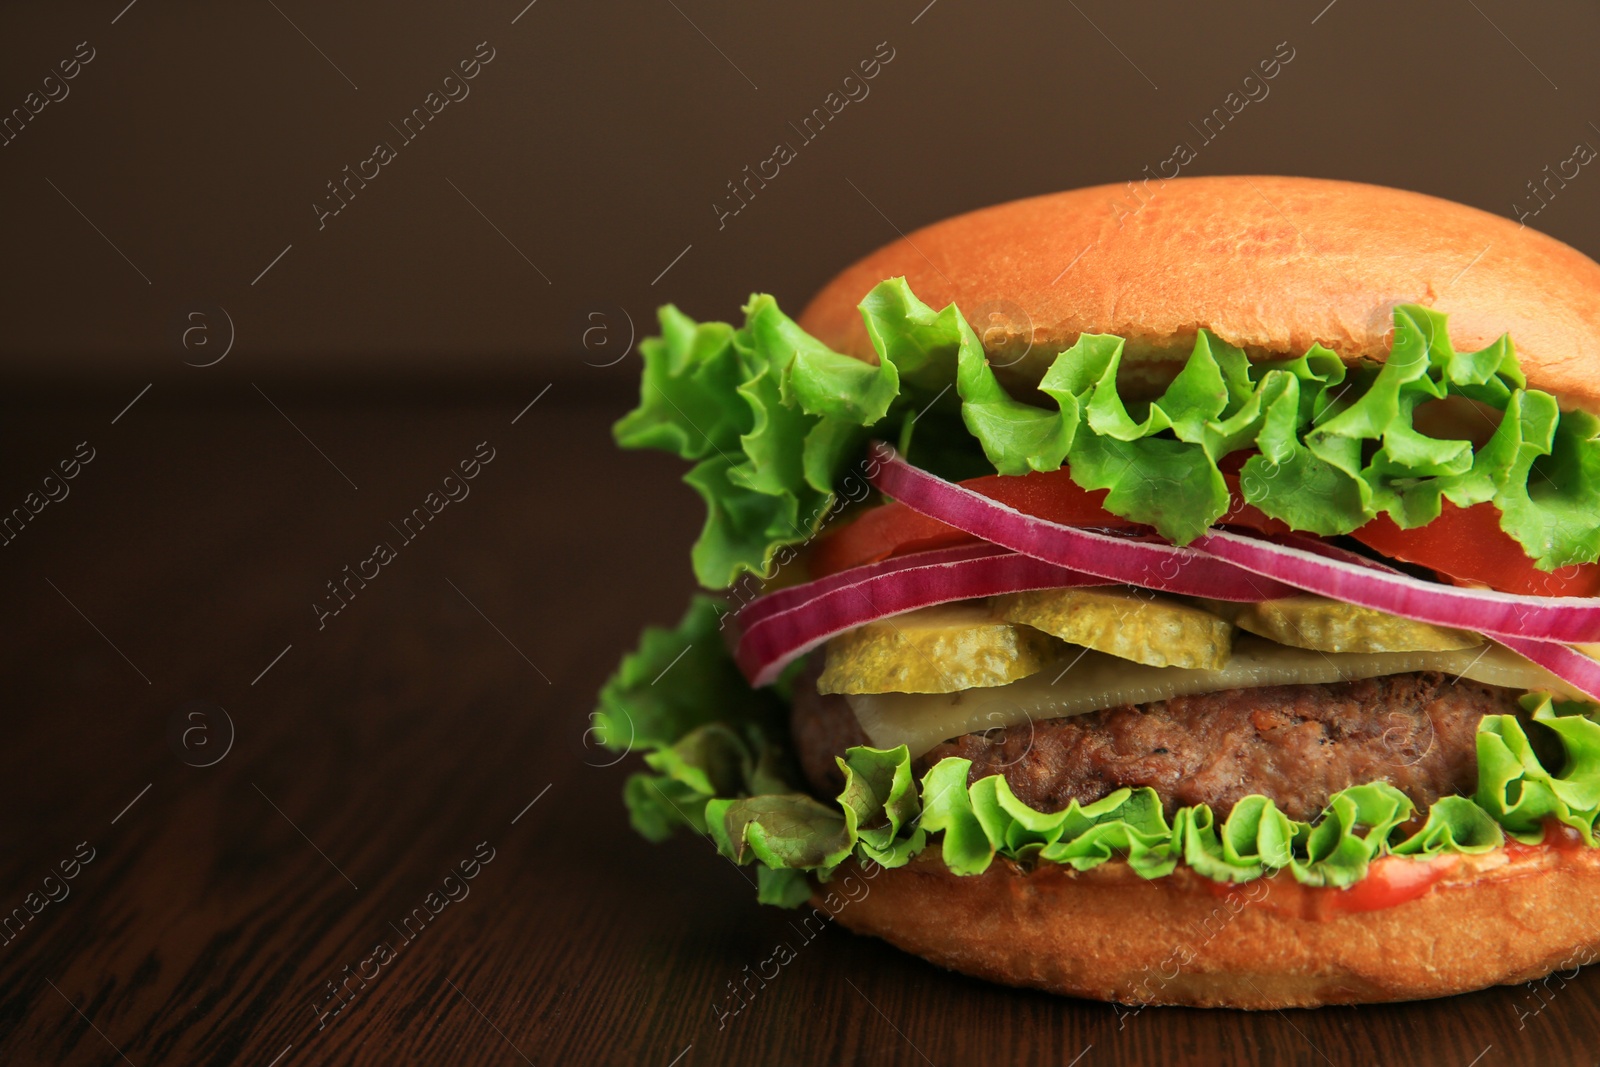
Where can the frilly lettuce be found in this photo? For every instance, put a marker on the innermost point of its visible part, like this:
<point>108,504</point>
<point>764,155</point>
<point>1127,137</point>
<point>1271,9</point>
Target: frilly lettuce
<point>717,752</point>
<point>1516,789</point>
<point>774,420</point>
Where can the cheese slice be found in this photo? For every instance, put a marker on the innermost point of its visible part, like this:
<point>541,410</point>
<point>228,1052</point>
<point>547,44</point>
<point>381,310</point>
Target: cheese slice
<point>1088,681</point>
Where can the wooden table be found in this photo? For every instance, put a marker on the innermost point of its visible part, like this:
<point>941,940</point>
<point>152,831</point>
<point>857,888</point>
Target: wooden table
<point>439,718</point>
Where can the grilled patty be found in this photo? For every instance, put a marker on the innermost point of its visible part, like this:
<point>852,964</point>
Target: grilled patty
<point>1297,744</point>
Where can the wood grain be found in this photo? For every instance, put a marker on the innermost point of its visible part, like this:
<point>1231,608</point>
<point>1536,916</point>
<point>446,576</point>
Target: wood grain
<point>413,730</point>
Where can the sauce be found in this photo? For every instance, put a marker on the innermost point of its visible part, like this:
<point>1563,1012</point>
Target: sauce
<point>1390,880</point>
<point>1557,835</point>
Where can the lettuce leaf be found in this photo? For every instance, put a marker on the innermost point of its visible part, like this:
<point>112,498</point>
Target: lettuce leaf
<point>775,424</point>
<point>680,701</point>
<point>1519,792</point>
<point>775,421</point>
<point>718,753</point>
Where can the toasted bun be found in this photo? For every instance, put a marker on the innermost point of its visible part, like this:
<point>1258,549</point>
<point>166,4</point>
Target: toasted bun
<point>1270,264</point>
<point>1111,935</point>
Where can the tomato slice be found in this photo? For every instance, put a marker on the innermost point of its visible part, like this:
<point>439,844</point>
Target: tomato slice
<point>1465,545</point>
<point>1468,545</point>
<point>893,529</point>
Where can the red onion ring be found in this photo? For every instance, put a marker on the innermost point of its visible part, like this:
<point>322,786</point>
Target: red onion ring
<point>779,637</point>
<point>1541,618</point>
<point>1152,565</point>
<point>1571,666</point>
<point>1220,565</point>
<point>795,595</point>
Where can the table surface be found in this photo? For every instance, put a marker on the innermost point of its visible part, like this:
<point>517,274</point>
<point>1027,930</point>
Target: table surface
<point>251,850</point>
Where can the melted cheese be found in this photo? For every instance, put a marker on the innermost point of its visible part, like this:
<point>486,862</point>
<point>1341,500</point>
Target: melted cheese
<point>1088,681</point>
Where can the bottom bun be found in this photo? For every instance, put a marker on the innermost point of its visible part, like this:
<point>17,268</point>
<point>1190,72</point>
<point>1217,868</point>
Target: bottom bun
<point>1108,934</point>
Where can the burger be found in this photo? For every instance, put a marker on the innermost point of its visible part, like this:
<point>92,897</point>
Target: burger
<point>1169,594</point>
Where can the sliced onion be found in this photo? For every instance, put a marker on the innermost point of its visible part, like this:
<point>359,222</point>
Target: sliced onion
<point>1323,548</point>
<point>795,595</point>
<point>1152,565</point>
<point>1571,666</point>
<point>779,637</point>
<point>1220,565</point>
<point>1542,618</point>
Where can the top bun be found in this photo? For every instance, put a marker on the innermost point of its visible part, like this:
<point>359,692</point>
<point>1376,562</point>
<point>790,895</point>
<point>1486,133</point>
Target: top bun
<point>1270,264</point>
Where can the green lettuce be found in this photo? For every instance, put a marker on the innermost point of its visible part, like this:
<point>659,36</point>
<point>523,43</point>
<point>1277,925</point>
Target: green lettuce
<point>776,424</point>
<point>717,750</point>
<point>680,701</point>
<point>1514,786</point>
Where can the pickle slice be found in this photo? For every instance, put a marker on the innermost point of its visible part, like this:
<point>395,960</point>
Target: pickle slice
<point>1145,628</point>
<point>942,649</point>
<point>1085,682</point>
<point>1334,626</point>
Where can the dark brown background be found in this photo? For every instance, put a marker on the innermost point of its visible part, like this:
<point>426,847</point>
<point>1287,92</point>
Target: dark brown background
<point>379,351</point>
<point>598,139</point>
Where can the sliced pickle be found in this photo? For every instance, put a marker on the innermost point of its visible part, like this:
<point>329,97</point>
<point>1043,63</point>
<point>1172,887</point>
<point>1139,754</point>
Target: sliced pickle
<point>935,650</point>
<point>1084,682</point>
<point>1145,628</point>
<point>1334,626</point>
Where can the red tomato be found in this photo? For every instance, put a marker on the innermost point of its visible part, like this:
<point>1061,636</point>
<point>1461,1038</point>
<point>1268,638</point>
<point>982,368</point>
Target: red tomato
<point>893,529</point>
<point>1465,545</point>
<point>1468,545</point>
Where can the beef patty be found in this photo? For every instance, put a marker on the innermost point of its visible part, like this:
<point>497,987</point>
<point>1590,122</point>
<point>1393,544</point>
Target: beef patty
<point>1297,744</point>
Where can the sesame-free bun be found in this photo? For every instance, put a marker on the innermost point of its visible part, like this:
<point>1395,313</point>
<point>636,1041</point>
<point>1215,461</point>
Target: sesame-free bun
<point>1271,264</point>
<point>1108,934</point>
